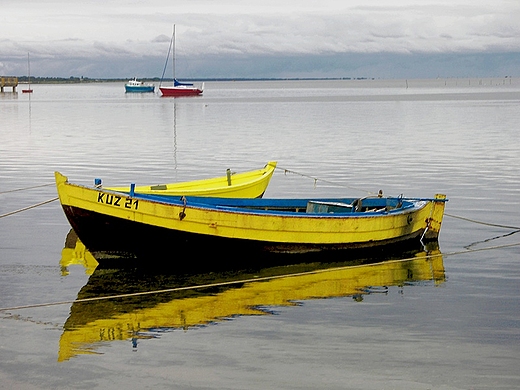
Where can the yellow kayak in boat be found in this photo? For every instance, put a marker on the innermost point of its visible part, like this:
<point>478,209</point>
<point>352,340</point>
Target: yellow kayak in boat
<point>251,184</point>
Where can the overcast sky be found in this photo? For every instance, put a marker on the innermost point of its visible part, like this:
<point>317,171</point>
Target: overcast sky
<point>268,38</point>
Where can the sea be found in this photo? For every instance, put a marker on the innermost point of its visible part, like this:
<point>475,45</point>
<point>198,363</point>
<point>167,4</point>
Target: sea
<point>444,318</point>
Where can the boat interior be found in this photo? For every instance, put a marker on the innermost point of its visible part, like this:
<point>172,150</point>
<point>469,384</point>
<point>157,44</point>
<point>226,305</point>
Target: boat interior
<point>367,204</point>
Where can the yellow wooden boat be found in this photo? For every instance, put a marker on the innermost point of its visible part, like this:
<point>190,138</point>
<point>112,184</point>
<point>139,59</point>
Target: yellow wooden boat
<point>93,323</point>
<point>111,221</point>
<point>250,184</point>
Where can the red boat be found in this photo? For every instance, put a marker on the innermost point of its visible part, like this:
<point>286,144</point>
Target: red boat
<point>178,88</point>
<point>182,89</point>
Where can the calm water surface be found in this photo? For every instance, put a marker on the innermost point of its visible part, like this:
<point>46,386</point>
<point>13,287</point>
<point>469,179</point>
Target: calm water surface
<point>451,321</point>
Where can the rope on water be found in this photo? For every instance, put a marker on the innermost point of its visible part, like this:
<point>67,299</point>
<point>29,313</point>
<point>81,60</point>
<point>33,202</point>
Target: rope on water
<point>27,188</point>
<point>243,281</point>
<point>491,239</point>
<point>28,207</point>
<point>316,179</point>
<point>482,223</point>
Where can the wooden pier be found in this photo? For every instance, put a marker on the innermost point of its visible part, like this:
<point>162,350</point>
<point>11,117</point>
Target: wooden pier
<point>8,82</point>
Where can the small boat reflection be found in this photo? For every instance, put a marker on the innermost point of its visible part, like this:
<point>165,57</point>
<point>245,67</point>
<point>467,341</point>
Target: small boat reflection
<point>75,253</point>
<point>143,316</point>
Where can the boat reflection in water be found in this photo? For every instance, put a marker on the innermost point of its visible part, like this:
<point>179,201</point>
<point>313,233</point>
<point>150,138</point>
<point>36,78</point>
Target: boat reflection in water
<point>75,253</point>
<point>222,295</point>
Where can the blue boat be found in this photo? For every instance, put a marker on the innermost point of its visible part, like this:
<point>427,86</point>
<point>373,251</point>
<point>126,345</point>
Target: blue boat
<point>138,86</point>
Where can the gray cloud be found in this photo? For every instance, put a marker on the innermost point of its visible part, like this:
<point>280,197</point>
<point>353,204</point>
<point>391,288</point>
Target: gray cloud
<point>269,39</point>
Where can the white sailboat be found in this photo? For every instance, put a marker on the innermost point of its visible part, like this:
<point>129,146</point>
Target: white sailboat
<point>28,90</point>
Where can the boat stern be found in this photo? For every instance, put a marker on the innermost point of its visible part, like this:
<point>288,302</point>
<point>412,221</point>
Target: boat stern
<point>434,221</point>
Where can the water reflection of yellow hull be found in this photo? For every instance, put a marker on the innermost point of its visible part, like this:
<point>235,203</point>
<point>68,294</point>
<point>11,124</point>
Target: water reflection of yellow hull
<point>75,253</point>
<point>91,323</point>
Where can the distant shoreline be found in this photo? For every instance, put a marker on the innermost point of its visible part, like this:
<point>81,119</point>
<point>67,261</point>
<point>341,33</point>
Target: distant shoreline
<point>80,80</point>
<point>86,80</point>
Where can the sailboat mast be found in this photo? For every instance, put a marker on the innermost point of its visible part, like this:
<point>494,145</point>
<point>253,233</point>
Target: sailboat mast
<point>29,70</point>
<point>173,55</point>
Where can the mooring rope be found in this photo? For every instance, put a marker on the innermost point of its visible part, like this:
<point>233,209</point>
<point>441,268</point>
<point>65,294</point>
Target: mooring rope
<point>28,207</point>
<point>482,223</point>
<point>316,179</point>
<point>242,281</point>
<point>27,188</point>
<point>491,239</point>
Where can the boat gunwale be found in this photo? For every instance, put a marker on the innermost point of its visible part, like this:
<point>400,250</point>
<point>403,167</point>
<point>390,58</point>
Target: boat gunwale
<point>411,207</point>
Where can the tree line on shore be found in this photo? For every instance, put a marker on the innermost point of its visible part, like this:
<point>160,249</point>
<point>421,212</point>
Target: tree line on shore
<point>78,80</point>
